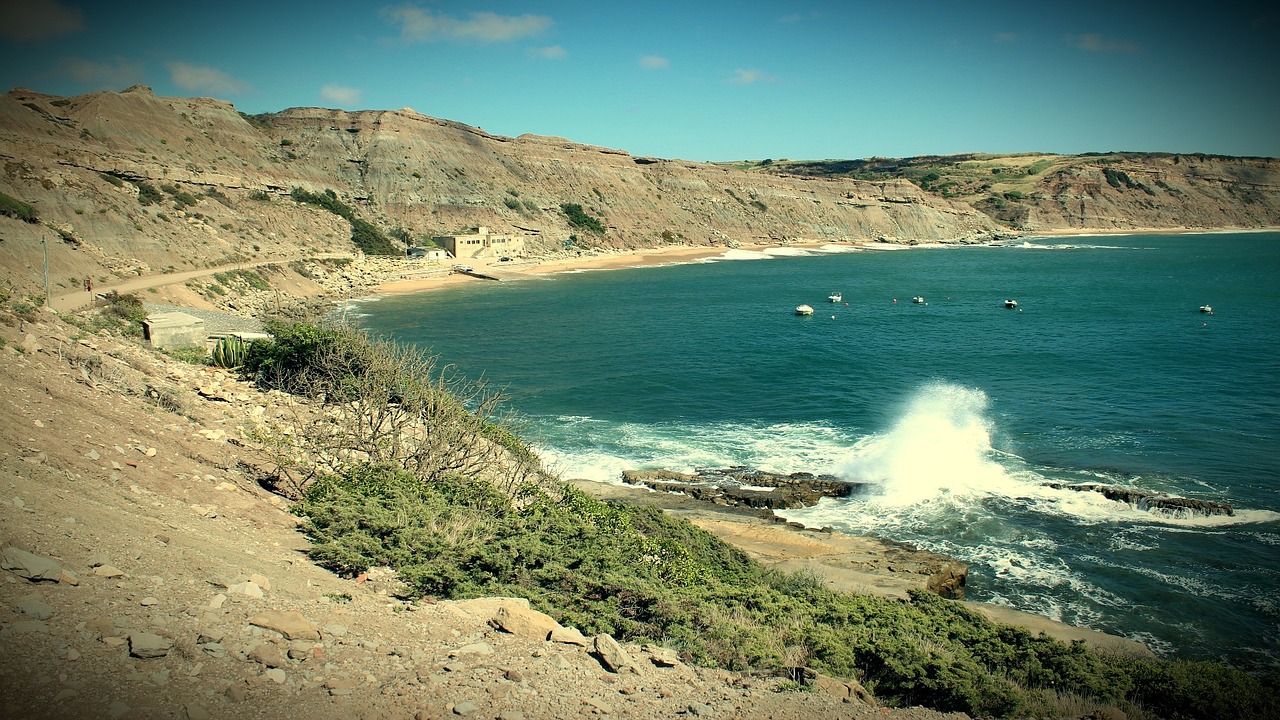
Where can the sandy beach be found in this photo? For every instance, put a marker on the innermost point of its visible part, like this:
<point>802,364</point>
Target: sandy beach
<point>442,275</point>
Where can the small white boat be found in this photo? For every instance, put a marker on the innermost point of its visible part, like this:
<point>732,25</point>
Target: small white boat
<point>1011,303</point>
<point>918,300</point>
<point>835,297</point>
<point>1206,309</point>
<point>804,310</point>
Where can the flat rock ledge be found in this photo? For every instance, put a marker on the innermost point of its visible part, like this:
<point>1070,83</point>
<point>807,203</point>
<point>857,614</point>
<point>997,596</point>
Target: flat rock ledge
<point>745,487</point>
<point>860,564</point>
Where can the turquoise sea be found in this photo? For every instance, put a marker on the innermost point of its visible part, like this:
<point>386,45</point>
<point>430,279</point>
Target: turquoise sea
<point>956,410</point>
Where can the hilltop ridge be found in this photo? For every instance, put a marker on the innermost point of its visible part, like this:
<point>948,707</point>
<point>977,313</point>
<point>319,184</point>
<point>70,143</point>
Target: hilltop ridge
<point>131,183</point>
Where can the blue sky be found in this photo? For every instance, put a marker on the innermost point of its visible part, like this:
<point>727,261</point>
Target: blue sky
<point>720,80</point>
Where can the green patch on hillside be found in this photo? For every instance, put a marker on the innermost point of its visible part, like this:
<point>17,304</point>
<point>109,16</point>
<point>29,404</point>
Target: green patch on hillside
<point>15,208</point>
<point>364,234</point>
<point>579,218</point>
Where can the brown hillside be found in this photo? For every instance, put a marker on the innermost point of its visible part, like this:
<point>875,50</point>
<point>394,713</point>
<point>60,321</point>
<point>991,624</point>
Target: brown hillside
<point>81,163</point>
<point>1113,192</point>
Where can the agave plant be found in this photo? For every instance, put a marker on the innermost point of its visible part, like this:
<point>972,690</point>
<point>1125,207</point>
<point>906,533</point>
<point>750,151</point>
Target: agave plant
<point>230,352</point>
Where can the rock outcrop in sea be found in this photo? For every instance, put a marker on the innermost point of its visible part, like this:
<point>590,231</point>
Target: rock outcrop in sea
<point>1150,499</point>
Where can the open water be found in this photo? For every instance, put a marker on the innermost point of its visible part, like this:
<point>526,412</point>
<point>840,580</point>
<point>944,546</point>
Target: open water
<point>956,410</point>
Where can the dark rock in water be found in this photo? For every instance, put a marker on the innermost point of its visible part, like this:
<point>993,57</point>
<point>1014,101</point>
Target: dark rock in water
<point>744,487</point>
<point>1150,499</point>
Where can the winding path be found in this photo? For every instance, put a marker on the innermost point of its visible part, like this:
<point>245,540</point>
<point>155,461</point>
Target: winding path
<point>82,298</point>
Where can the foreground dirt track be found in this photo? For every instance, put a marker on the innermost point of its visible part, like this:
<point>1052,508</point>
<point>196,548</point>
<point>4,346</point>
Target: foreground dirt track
<point>175,576</point>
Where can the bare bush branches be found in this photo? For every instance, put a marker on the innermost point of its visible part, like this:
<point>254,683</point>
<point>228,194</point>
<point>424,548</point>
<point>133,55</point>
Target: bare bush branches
<point>378,402</point>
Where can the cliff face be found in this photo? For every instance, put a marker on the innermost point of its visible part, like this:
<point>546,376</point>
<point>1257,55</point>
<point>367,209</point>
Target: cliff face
<point>130,183</point>
<point>1173,191</point>
<point>223,181</point>
<point>1085,193</point>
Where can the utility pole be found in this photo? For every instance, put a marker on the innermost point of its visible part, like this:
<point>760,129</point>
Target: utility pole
<point>45,248</point>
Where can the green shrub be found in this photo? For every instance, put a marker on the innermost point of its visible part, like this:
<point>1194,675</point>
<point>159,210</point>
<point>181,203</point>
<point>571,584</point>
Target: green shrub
<point>25,310</point>
<point>127,307</point>
<point>370,239</point>
<point>112,179</point>
<point>364,235</point>
<point>578,218</point>
<point>181,198</point>
<point>15,208</point>
<point>148,195</point>
<point>327,200</point>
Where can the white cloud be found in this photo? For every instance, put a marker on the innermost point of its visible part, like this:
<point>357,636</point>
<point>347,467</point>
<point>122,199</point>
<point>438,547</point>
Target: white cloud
<point>342,96</point>
<point>654,62</point>
<point>35,20</point>
<point>1093,42</point>
<point>1007,37</point>
<point>554,52</point>
<point>418,25</point>
<point>198,78</point>
<point>113,74</point>
<point>749,77</point>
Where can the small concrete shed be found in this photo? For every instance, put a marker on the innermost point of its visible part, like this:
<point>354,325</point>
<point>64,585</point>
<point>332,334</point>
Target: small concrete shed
<point>171,330</point>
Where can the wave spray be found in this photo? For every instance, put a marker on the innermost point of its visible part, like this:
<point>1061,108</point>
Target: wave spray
<point>940,446</point>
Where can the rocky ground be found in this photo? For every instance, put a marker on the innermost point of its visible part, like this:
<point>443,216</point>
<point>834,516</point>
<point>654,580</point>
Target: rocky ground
<point>146,576</point>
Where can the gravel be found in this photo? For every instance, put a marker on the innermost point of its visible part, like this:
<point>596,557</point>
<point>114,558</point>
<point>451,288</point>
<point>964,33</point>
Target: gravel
<point>215,322</point>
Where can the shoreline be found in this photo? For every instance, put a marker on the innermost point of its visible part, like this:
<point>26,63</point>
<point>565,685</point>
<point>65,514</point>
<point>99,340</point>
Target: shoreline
<point>444,277</point>
<point>621,260</point>
<point>1072,232</point>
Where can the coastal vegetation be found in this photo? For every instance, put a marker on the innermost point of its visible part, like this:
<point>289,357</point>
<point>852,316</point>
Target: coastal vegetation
<point>405,464</point>
<point>579,218</point>
<point>364,234</point>
<point>148,194</point>
<point>15,208</point>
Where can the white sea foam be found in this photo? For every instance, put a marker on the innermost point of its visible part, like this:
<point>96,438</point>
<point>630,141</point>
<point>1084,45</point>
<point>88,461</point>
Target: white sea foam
<point>1070,246</point>
<point>605,449</point>
<point>736,254</point>
<point>940,446</point>
<point>787,252</point>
